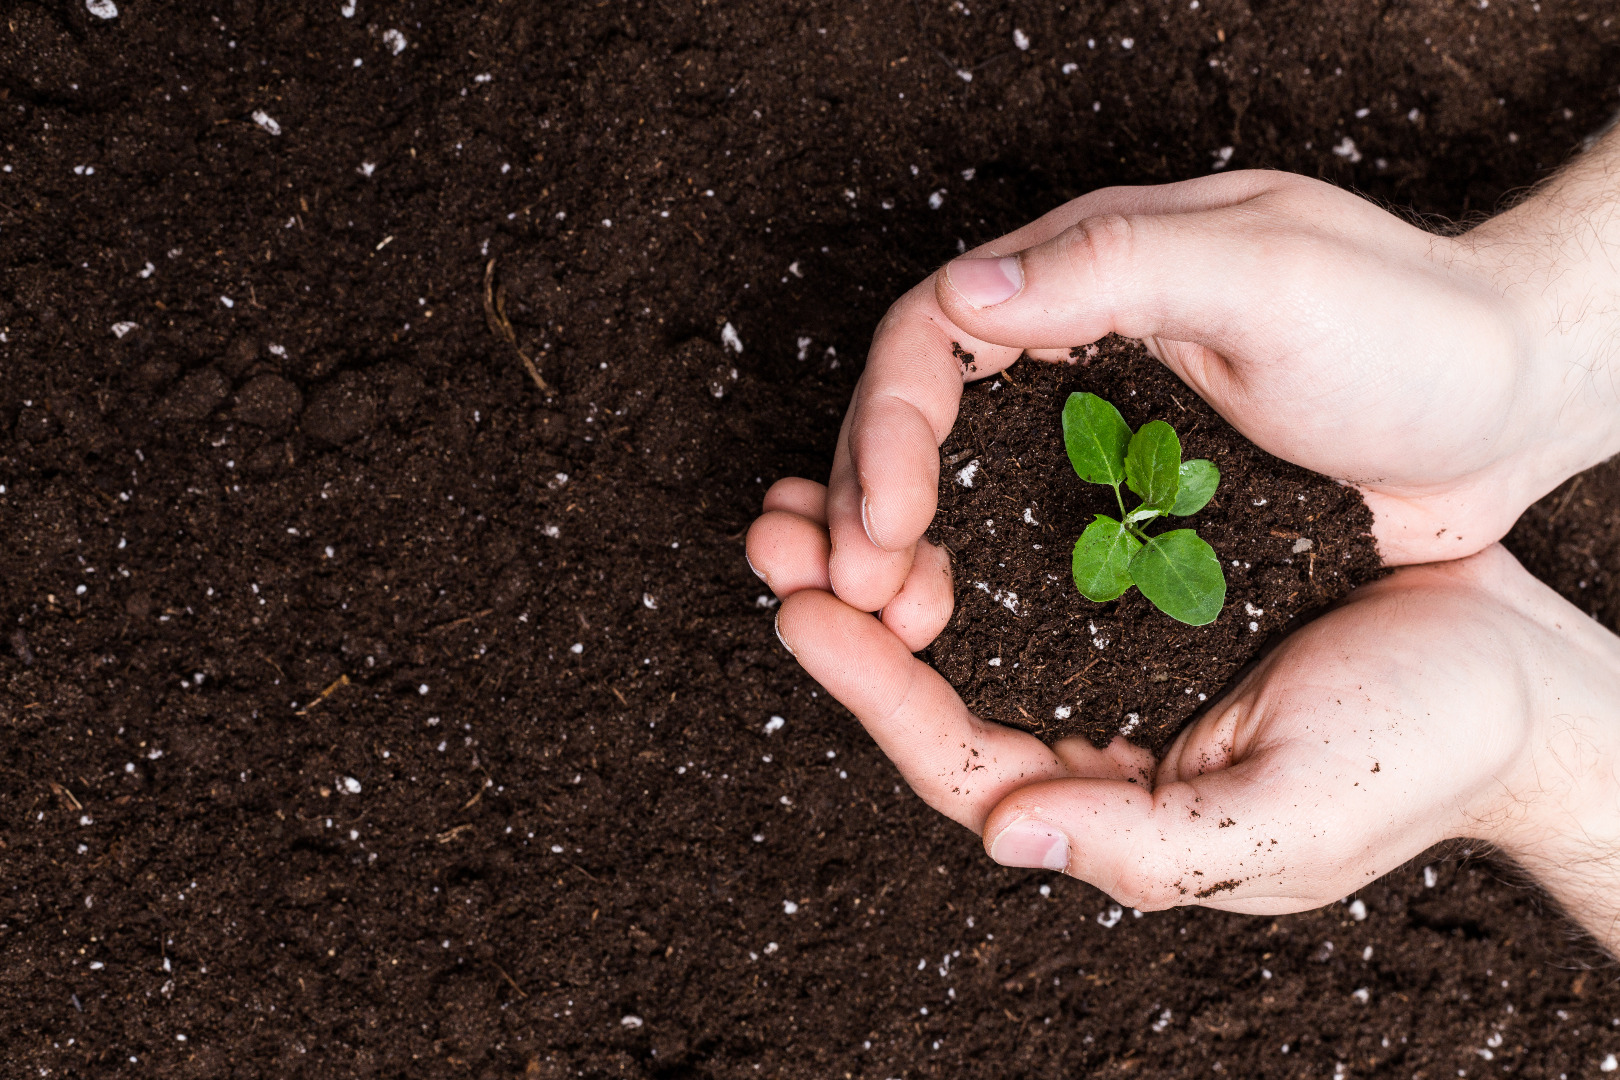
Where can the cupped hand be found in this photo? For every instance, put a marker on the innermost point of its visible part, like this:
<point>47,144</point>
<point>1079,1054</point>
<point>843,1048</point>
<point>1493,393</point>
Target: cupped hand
<point>1455,699</point>
<point>1441,376</point>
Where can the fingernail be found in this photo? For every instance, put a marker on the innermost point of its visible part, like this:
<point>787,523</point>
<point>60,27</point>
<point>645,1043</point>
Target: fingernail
<point>866,519</point>
<point>983,282</point>
<point>1032,843</point>
<point>754,568</point>
<point>778,624</point>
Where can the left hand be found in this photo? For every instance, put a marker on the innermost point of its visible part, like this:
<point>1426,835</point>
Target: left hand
<point>1446,700</point>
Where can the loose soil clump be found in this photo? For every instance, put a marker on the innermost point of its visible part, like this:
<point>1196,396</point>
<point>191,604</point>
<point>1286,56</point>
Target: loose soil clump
<point>1025,649</point>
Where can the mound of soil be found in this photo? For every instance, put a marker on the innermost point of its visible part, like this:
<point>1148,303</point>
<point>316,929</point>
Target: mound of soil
<point>368,712</point>
<point>1024,648</point>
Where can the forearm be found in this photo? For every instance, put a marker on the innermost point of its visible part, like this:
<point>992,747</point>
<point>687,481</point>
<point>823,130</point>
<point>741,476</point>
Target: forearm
<point>1554,258</point>
<point>1561,819</point>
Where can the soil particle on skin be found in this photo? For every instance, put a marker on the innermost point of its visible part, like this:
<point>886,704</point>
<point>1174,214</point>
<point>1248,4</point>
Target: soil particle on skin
<point>1024,648</point>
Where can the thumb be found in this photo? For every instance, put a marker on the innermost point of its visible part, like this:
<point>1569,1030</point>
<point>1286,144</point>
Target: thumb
<point>1274,833</point>
<point>1183,276</point>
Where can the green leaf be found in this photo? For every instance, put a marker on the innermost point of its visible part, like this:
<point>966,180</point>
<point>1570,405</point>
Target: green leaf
<point>1198,481</point>
<point>1181,575</point>
<point>1096,437</point>
<point>1153,464</point>
<point>1102,559</point>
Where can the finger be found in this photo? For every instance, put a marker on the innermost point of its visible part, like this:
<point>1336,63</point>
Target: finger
<point>1282,798</point>
<point>923,606</point>
<point>788,552</point>
<point>1176,276</point>
<point>799,496</point>
<point>1121,759</point>
<point>958,764</point>
<point>863,574</point>
<point>907,398</point>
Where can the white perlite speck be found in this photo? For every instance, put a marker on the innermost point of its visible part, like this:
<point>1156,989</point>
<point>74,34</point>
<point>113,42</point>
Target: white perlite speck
<point>1223,157</point>
<point>1302,545</point>
<point>348,8</point>
<point>119,329</point>
<point>966,473</point>
<point>1610,1064</point>
<point>1132,720</point>
<point>937,199</point>
<point>366,168</point>
<point>730,338</point>
<point>789,908</point>
<point>630,1022</point>
<point>1358,910</point>
<point>396,45</point>
<point>1008,600</point>
<point>774,724</point>
<point>1362,995</point>
<point>649,601</point>
<point>1347,150</point>
<point>1021,40</point>
<point>1430,878</point>
<point>1029,516</point>
<point>1063,712</point>
<point>1110,918</point>
<point>348,785</point>
<point>102,9</point>
<point>266,121</point>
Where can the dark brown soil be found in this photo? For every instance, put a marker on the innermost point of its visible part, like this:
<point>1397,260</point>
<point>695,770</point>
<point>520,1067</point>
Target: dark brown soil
<point>211,522</point>
<point>1024,648</point>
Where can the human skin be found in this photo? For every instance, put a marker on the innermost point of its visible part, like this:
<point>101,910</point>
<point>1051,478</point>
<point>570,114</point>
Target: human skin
<point>1454,699</point>
<point>1454,380</point>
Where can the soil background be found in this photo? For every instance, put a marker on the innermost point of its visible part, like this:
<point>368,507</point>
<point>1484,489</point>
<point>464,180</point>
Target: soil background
<point>1025,649</point>
<point>366,713</point>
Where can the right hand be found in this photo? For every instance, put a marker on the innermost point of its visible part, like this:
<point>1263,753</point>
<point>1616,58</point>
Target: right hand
<point>1449,379</point>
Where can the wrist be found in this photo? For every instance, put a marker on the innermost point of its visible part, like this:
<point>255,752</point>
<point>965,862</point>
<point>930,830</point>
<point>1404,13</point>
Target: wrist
<point>1556,811</point>
<point>1555,259</point>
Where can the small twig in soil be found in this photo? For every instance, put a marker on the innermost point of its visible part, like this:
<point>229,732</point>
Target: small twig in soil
<point>65,795</point>
<point>450,834</point>
<point>342,680</point>
<point>460,621</point>
<point>588,874</point>
<point>1082,671</point>
<point>510,981</point>
<point>501,326</point>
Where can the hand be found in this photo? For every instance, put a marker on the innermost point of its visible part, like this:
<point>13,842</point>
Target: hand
<point>1449,700</point>
<point>1453,380</point>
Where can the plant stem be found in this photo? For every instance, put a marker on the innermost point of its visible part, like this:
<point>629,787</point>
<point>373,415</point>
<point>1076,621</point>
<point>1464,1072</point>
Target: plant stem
<point>1130,528</point>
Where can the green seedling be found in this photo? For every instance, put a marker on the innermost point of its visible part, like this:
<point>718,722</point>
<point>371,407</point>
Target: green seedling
<point>1176,570</point>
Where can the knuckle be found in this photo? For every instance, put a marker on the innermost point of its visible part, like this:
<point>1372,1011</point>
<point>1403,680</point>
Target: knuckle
<point>1099,248</point>
<point>1146,884</point>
